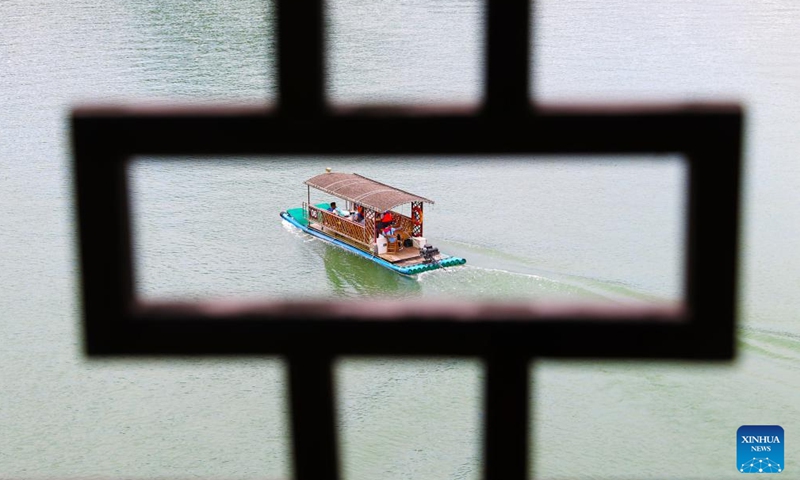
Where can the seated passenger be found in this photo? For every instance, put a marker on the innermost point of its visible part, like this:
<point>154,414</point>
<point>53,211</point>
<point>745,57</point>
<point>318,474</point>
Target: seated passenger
<point>358,214</point>
<point>388,232</point>
<point>335,210</point>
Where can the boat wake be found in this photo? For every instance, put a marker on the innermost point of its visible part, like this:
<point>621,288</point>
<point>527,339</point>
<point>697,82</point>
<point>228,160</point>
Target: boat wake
<point>512,279</point>
<point>775,345</point>
<point>519,273</point>
<point>482,283</point>
<point>297,232</point>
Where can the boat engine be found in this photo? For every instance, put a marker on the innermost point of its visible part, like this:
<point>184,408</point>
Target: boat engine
<point>427,252</point>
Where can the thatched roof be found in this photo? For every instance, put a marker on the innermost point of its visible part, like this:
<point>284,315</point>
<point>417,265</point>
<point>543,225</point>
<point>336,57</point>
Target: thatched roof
<point>362,190</point>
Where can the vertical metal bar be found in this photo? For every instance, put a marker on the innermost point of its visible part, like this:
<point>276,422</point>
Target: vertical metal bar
<point>312,412</point>
<point>506,417</point>
<point>101,186</point>
<point>714,227</point>
<point>300,57</point>
<point>508,33</point>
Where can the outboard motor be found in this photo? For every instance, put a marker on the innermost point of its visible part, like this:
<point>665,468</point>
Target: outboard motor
<point>427,252</point>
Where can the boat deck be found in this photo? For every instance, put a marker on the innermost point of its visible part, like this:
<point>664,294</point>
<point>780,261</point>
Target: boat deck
<point>403,257</point>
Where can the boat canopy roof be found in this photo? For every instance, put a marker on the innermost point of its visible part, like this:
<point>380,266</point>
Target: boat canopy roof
<point>363,191</point>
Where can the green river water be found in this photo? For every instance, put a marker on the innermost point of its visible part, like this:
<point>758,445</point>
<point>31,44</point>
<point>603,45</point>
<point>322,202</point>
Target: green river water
<point>591,229</point>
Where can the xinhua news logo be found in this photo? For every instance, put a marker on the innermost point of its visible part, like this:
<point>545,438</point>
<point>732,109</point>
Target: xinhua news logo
<point>759,449</point>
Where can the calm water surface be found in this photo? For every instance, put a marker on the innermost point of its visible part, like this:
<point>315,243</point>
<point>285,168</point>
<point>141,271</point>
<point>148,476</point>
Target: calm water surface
<point>597,229</point>
<point>605,229</point>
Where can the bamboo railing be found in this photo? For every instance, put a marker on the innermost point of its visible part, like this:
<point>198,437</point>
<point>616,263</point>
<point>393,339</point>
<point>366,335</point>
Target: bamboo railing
<point>404,224</point>
<point>363,234</point>
<point>357,232</point>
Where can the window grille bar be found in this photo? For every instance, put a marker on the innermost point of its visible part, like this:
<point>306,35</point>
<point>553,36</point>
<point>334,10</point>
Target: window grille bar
<point>505,413</point>
<point>315,452</point>
<point>713,227</point>
<point>507,56</point>
<point>300,57</point>
<point>107,285</point>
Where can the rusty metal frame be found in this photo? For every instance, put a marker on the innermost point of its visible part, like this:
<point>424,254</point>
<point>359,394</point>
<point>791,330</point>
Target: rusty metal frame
<point>312,334</point>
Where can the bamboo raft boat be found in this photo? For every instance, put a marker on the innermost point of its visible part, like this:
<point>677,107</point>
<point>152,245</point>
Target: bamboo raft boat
<point>362,227</point>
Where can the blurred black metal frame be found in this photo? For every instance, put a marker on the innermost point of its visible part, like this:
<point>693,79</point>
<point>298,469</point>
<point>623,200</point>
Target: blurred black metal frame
<point>312,334</point>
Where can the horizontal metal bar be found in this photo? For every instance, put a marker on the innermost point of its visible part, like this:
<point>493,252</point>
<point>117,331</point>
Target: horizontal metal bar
<point>174,332</point>
<point>254,132</point>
